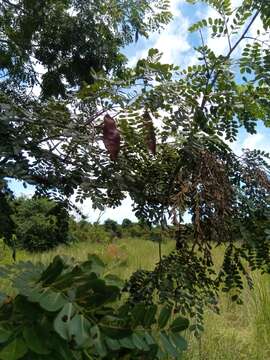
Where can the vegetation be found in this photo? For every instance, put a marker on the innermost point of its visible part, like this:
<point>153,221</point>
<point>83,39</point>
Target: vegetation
<point>238,332</point>
<point>40,224</point>
<point>91,130</point>
<point>66,310</point>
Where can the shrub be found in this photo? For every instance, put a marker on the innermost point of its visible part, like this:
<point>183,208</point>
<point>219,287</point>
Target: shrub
<point>74,311</point>
<point>84,231</point>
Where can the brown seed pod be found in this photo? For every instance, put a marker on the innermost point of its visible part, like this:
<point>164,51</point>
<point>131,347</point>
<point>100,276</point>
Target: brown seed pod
<point>150,136</point>
<point>111,137</point>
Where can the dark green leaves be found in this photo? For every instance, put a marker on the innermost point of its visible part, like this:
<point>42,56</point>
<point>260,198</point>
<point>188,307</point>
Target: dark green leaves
<point>72,309</point>
<point>53,271</point>
<point>36,339</point>
<point>14,350</point>
<point>51,300</point>
<point>179,324</point>
<point>5,332</point>
<point>164,316</point>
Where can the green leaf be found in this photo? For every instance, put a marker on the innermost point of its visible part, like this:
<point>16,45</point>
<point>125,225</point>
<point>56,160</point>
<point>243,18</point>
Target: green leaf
<point>79,329</point>
<point>179,341</point>
<point>139,342</point>
<point>115,332</point>
<point>127,343</point>
<point>96,264</point>
<point>52,271</point>
<point>138,313</point>
<point>98,342</point>
<point>52,301</point>
<point>4,333</point>
<point>168,345</point>
<point>150,314</point>
<point>61,347</point>
<point>113,280</point>
<point>34,339</point>
<point>112,344</point>
<point>14,350</point>
<point>179,324</point>
<point>149,339</point>
<point>62,321</point>
<point>164,316</point>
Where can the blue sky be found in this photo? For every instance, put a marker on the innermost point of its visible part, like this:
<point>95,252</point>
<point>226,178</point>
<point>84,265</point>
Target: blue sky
<point>176,44</point>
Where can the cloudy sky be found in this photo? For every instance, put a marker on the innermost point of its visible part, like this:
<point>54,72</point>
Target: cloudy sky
<point>176,44</point>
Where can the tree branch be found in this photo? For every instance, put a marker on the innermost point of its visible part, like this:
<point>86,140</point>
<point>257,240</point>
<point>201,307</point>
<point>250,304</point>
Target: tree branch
<point>227,57</point>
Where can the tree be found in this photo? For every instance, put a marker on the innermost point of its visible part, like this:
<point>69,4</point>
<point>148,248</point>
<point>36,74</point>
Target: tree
<point>126,223</point>
<point>194,170</point>
<point>70,40</point>
<point>112,228</point>
<point>40,224</point>
<point>52,137</point>
<point>185,165</point>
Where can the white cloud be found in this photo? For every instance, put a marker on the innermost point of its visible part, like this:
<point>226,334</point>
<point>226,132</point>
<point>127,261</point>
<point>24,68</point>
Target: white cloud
<point>253,141</point>
<point>172,41</point>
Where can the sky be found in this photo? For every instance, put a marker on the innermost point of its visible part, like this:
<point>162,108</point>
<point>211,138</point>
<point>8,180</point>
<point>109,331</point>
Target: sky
<point>177,46</point>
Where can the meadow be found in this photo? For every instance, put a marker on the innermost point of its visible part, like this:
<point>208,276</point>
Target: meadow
<point>240,332</point>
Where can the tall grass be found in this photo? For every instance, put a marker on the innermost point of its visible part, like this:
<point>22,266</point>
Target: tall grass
<point>240,332</point>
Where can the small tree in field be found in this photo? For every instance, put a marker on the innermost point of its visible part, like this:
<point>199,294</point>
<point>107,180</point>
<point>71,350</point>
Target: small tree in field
<point>126,223</point>
<point>40,224</point>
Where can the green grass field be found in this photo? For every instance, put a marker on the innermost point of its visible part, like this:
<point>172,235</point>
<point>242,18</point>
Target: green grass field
<point>241,332</point>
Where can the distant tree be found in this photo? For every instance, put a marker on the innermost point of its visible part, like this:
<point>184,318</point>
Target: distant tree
<point>112,227</point>
<point>126,223</point>
<point>40,224</point>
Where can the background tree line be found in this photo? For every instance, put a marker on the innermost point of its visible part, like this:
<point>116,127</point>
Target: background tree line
<point>40,224</point>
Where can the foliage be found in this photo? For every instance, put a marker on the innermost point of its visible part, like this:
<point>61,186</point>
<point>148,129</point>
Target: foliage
<point>111,230</point>
<point>6,223</point>
<point>189,168</point>
<point>58,47</point>
<point>40,224</point>
<point>112,227</point>
<point>67,39</point>
<point>194,170</point>
<point>72,311</point>
<point>180,278</point>
<point>83,231</point>
<point>126,223</point>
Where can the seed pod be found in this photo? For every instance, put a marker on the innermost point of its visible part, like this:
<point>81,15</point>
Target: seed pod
<point>111,137</point>
<point>150,136</point>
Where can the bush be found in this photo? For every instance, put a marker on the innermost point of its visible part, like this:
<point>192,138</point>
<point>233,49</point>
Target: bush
<point>40,223</point>
<point>84,231</point>
<point>74,311</point>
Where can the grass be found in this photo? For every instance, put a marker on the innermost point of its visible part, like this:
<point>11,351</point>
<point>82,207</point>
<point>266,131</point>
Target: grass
<point>241,332</point>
